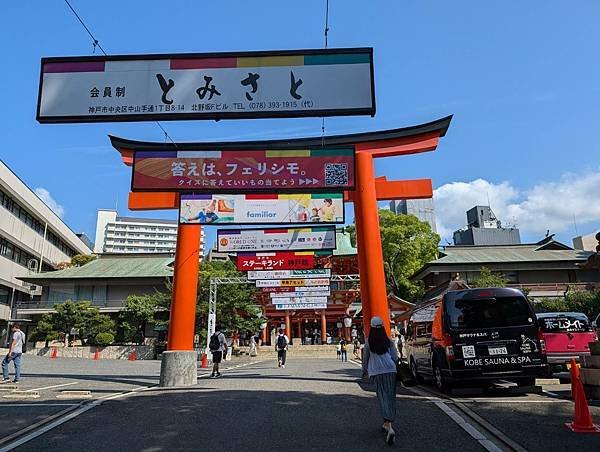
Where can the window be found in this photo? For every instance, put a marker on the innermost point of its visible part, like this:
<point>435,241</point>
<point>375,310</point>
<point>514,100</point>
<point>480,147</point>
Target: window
<point>488,312</point>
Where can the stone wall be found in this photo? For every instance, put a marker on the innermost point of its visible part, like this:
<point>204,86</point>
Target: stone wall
<point>110,352</point>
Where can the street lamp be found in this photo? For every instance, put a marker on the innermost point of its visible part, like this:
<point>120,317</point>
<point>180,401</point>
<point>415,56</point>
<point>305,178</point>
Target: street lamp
<point>347,321</point>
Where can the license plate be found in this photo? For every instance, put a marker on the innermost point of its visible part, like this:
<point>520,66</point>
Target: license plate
<point>493,351</point>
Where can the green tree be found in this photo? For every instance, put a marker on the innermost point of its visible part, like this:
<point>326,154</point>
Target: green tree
<point>407,244</point>
<point>488,279</point>
<point>575,300</point>
<point>69,316</point>
<point>140,311</point>
<point>237,308</point>
<point>81,259</point>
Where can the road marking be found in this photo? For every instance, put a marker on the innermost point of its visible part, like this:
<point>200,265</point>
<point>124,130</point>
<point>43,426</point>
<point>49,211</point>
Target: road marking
<point>37,404</point>
<point>53,386</point>
<point>553,394</point>
<point>67,417</point>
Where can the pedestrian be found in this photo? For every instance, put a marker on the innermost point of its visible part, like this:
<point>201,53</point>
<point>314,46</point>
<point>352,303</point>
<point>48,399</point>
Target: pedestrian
<point>281,346</point>
<point>356,348</point>
<point>339,350</point>
<point>253,345</point>
<point>344,349</point>
<point>15,351</point>
<point>218,347</point>
<point>379,363</point>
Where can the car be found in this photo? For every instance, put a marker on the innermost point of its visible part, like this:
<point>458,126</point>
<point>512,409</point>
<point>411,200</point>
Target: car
<point>476,336</point>
<point>567,335</point>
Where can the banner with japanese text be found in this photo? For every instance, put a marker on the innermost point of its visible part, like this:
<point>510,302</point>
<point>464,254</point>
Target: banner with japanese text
<point>304,293</point>
<point>246,171</point>
<point>281,307</point>
<point>324,208</point>
<point>287,83</point>
<point>286,289</point>
<point>292,282</point>
<point>289,274</point>
<point>282,260</point>
<point>291,239</point>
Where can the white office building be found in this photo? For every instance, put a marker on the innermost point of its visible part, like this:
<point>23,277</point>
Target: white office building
<point>420,208</point>
<point>32,239</point>
<point>115,234</point>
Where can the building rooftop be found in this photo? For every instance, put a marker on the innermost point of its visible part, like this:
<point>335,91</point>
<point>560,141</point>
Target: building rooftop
<point>112,266</point>
<point>547,250</point>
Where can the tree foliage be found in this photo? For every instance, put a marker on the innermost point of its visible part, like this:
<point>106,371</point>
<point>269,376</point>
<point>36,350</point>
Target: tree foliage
<point>140,311</point>
<point>587,302</point>
<point>407,244</point>
<point>487,278</point>
<point>237,309</point>
<point>69,316</point>
<point>81,259</point>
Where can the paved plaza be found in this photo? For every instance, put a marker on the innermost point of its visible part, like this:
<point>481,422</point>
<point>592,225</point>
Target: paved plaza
<point>311,404</point>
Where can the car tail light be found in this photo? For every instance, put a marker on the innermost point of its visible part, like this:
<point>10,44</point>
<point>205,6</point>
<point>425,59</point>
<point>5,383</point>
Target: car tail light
<point>448,346</point>
<point>542,341</point>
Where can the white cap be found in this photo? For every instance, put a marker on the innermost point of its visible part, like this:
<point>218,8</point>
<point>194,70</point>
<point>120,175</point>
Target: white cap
<point>376,322</point>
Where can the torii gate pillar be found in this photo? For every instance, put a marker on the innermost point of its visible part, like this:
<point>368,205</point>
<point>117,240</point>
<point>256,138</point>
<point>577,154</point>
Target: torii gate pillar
<point>180,361</point>
<point>372,273</point>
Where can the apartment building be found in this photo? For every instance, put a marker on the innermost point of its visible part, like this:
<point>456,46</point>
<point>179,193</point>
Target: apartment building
<point>116,234</point>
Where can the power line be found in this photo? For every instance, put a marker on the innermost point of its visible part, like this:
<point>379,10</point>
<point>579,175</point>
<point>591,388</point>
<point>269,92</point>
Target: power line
<point>96,43</point>
<point>326,32</point>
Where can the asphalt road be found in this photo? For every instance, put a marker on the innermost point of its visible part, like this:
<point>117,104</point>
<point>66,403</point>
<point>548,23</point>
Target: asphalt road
<point>312,404</point>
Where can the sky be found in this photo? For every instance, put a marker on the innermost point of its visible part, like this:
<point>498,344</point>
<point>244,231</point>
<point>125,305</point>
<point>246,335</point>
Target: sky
<point>520,78</point>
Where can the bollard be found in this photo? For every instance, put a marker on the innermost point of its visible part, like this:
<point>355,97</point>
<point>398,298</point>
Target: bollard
<point>204,364</point>
<point>97,354</point>
<point>582,419</point>
<point>132,356</point>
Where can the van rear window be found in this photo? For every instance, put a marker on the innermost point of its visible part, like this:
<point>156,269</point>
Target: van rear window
<point>565,324</point>
<point>488,312</point>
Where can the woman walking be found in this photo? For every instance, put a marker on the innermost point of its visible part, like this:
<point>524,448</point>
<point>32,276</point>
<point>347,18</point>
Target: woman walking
<point>379,363</point>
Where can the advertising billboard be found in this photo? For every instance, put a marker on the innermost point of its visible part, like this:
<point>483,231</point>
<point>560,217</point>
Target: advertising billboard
<point>245,171</point>
<point>324,208</point>
<point>282,260</point>
<point>289,274</point>
<point>295,300</point>
<point>290,239</point>
<point>292,282</point>
<point>286,83</point>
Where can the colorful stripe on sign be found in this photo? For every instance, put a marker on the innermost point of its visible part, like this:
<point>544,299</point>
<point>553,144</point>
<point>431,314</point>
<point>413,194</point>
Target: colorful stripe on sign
<point>78,66</point>
<point>269,61</point>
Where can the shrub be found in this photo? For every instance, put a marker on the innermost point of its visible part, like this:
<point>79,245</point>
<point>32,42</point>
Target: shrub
<point>104,339</point>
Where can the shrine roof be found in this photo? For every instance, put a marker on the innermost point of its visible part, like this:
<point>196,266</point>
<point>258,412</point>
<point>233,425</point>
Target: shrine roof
<point>440,126</point>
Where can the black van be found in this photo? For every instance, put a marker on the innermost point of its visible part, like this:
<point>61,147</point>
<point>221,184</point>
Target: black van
<point>476,335</point>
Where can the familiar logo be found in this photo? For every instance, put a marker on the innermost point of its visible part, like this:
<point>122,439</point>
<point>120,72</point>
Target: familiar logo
<point>224,241</point>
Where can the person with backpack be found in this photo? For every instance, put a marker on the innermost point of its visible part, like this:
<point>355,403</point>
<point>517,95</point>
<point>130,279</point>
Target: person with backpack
<point>15,351</point>
<point>343,350</point>
<point>218,347</point>
<point>379,363</point>
<point>281,346</point>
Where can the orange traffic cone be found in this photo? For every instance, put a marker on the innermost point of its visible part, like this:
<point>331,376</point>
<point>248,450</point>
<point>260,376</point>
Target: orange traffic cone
<point>204,361</point>
<point>582,419</point>
<point>132,356</point>
<point>97,354</point>
<point>54,353</point>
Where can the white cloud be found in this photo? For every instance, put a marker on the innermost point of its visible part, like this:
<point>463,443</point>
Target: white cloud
<point>45,196</point>
<point>549,205</point>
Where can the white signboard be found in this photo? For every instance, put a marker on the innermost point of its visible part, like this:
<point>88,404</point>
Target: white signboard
<point>294,83</point>
<point>291,290</point>
<point>282,307</point>
<point>294,300</point>
<point>323,208</point>
<point>291,239</point>
<point>291,282</point>
<point>299,294</point>
<point>289,274</point>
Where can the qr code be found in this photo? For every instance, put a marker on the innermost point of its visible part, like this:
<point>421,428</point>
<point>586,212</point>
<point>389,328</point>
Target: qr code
<point>336,174</point>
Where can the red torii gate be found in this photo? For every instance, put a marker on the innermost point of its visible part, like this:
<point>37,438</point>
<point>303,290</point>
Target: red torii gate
<point>368,190</point>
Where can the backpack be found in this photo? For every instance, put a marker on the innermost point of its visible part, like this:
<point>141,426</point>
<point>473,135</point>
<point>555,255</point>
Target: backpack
<point>24,346</point>
<point>343,344</point>
<point>281,342</point>
<point>214,343</point>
